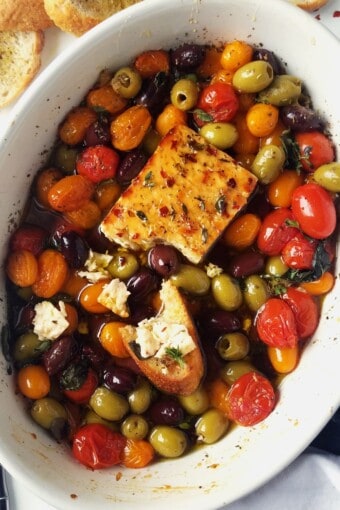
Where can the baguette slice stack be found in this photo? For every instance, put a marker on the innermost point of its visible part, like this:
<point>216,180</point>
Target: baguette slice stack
<point>181,376</point>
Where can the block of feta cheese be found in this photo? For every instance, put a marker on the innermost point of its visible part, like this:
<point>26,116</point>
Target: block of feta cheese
<point>186,195</point>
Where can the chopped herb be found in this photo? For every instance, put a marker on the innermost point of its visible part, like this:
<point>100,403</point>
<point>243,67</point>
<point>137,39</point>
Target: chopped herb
<point>185,209</point>
<point>220,204</point>
<point>292,151</point>
<point>201,203</point>
<point>176,354</point>
<point>292,223</point>
<point>73,377</point>
<point>141,215</point>
<point>204,233</point>
<point>202,115</point>
<point>148,180</point>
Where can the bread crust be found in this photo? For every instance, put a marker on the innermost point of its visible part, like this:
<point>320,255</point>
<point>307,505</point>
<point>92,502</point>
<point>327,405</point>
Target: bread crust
<point>79,16</point>
<point>23,15</point>
<point>169,375</point>
<point>20,61</point>
<point>310,5</point>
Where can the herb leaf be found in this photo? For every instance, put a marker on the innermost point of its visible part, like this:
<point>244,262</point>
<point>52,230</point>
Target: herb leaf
<point>176,354</point>
<point>74,376</point>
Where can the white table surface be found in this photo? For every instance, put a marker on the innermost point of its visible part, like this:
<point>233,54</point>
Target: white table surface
<point>311,482</point>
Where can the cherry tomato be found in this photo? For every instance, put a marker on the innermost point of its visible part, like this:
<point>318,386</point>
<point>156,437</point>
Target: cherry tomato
<point>314,209</point>
<point>96,446</point>
<point>276,230</point>
<point>305,310</point>
<point>218,100</point>
<point>276,324</point>
<point>299,252</point>
<point>97,163</point>
<point>82,395</point>
<point>251,399</point>
<point>315,148</point>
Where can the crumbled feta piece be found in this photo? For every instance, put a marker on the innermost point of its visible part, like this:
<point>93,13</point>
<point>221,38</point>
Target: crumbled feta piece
<point>213,270</point>
<point>96,265</point>
<point>114,296</point>
<point>49,321</point>
<point>155,336</point>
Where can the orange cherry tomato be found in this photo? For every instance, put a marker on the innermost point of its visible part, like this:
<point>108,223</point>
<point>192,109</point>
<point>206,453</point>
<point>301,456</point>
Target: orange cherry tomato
<point>34,381</point>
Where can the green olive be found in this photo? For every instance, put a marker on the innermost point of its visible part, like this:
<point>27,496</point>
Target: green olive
<point>221,134</point>
<point>211,426</point>
<point>253,77</point>
<point>285,89</point>
<point>184,94</point>
<point>134,427</point>
<point>195,403</point>
<point>328,176</point>
<point>108,404</point>
<point>65,158</point>
<point>45,411</point>
<point>268,163</point>
<point>24,293</point>
<point>233,346</point>
<point>127,82</point>
<point>151,141</point>
<point>231,371</point>
<point>140,397</point>
<point>226,292</point>
<point>168,441</point>
<point>123,265</point>
<point>92,417</point>
<point>275,266</point>
<point>192,279</point>
<point>255,292</point>
<point>27,347</point>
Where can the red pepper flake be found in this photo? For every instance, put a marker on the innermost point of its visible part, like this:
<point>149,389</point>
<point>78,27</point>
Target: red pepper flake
<point>231,183</point>
<point>117,211</point>
<point>164,211</point>
<point>336,14</point>
<point>170,182</point>
<point>318,17</point>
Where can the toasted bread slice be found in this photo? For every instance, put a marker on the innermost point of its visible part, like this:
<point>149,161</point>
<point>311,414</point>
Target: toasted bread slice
<point>23,15</point>
<point>309,5</point>
<point>170,369</point>
<point>19,63</point>
<point>79,16</point>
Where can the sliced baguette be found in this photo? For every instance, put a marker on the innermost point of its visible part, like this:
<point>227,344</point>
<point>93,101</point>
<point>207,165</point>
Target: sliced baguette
<point>20,61</point>
<point>23,15</point>
<point>166,373</point>
<point>79,16</point>
<point>309,5</point>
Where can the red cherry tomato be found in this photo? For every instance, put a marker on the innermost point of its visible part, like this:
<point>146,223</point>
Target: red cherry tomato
<point>314,209</point>
<point>220,101</point>
<point>82,395</point>
<point>97,163</point>
<point>305,310</point>
<point>299,252</point>
<point>251,399</point>
<point>315,148</point>
<point>96,446</point>
<point>276,324</point>
<point>276,230</point>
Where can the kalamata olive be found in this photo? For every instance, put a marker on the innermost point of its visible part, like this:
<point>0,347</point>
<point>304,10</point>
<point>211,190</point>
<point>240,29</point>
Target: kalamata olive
<point>73,247</point>
<point>119,379</point>
<point>98,133</point>
<point>94,353</point>
<point>166,411</point>
<point>142,283</point>
<point>154,92</point>
<point>98,242</point>
<point>163,259</point>
<point>21,317</point>
<point>28,237</point>
<point>130,166</point>
<point>188,56</point>
<point>218,322</point>
<point>140,311</point>
<point>59,354</point>
<point>246,263</point>
<point>300,118</point>
<point>271,58</point>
